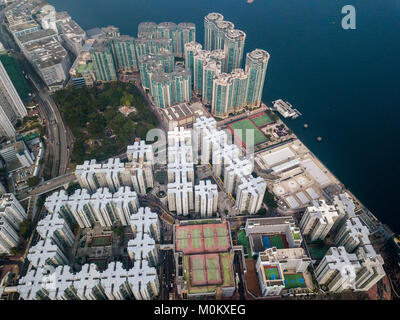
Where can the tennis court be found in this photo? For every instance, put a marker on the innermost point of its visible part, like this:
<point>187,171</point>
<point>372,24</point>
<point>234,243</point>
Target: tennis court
<point>213,269</point>
<point>197,270</point>
<point>272,273</point>
<point>202,238</point>
<point>101,241</point>
<point>205,269</point>
<point>239,129</point>
<point>226,269</point>
<point>261,120</point>
<point>295,280</point>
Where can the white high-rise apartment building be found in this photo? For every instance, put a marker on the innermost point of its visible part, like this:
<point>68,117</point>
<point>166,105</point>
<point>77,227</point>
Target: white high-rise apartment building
<point>114,283</point>
<point>223,156</point>
<point>250,194</point>
<point>337,270</point>
<point>180,197</point>
<point>11,106</point>
<point>8,236</point>
<point>318,220</point>
<point>371,268</point>
<point>140,152</point>
<point>180,172</point>
<point>345,208</point>
<point>352,234</point>
<point>12,210</point>
<point>146,228</point>
<point>180,137</point>
<point>102,206</point>
<point>234,173</point>
<point>206,198</point>
<point>138,173</point>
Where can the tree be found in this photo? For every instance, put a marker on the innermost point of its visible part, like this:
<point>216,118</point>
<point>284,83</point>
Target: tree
<point>262,211</point>
<point>25,228</point>
<point>269,200</point>
<point>33,181</point>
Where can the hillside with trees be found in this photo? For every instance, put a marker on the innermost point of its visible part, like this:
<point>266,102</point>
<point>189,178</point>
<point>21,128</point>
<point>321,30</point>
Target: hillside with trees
<point>100,130</point>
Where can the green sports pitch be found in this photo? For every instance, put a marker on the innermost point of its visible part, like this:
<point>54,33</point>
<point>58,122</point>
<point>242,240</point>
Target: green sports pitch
<point>239,128</point>
<point>101,241</point>
<point>294,281</point>
<point>272,273</point>
<point>261,120</point>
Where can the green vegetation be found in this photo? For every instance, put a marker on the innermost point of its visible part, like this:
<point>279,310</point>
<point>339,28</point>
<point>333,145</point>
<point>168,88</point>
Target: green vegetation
<point>118,231</point>
<point>33,181</point>
<point>15,74</point>
<point>294,281</point>
<point>272,115</point>
<point>244,241</point>
<point>72,187</point>
<point>245,125</point>
<point>269,200</point>
<point>101,131</point>
<point>25,228</point>
<point>262,211</point>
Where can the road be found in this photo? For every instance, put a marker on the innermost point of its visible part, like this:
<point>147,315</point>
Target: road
<point>47,186</point>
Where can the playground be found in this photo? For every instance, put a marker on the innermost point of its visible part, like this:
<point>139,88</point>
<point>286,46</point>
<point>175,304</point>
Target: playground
<point>206,238</point>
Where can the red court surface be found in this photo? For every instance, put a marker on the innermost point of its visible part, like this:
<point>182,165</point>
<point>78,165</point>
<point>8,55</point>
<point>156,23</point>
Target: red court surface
<point>202,238</point>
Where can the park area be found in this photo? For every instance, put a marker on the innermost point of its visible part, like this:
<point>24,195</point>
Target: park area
<point>239,130</point>
<point>99,128</point>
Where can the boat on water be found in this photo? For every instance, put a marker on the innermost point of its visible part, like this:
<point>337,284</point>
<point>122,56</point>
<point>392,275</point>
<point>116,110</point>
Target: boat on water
<point>286,109</point>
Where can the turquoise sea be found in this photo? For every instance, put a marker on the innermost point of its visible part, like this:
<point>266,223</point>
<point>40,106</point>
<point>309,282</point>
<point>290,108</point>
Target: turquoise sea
<point>345,82</point>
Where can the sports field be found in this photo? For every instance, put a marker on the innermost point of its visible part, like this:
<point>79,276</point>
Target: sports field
<point>294,281</point>
<point>239,129</point>
<point>101,241</point>
<point>261,120</point>
<point>205,238</point>
<point>277,241</point>
<point>272,273</point>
